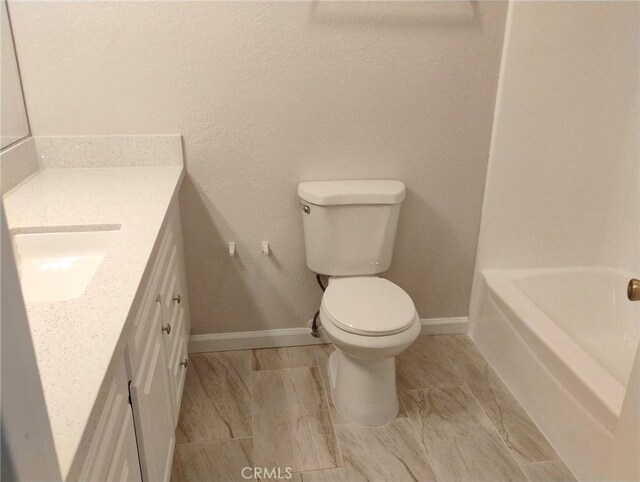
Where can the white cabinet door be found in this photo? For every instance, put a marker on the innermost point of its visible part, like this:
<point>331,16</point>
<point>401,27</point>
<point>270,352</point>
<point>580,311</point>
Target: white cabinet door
<point>113,454</point>
<point>153,413</point>
<point>125,466</point>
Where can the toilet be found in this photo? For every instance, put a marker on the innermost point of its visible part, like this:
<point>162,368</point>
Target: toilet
<point>349,232</point>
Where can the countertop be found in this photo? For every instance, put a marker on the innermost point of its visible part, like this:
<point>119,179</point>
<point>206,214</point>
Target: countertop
<point>76,340</point>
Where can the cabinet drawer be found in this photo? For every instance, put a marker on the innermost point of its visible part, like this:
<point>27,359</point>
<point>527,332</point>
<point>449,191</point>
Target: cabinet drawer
<point>171,308</point>
<point>145,319</point>
<point>178,362</point>
<point>175,316</point>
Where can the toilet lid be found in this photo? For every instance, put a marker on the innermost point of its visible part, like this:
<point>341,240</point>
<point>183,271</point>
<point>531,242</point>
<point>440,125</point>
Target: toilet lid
<point>368,305</point>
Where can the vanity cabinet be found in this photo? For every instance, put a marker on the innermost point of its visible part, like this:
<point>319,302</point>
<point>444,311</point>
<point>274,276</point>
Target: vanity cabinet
<point>135,438</point>
<point>157,353</point>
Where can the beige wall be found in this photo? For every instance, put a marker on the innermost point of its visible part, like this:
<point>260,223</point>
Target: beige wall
<point>562,187</point>
<point>268,94</point>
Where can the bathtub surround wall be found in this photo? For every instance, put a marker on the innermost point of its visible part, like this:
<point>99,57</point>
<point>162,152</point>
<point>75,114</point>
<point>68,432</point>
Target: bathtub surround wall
<point>267,94</point>
<point>562,183</point>
<point>562,192</point>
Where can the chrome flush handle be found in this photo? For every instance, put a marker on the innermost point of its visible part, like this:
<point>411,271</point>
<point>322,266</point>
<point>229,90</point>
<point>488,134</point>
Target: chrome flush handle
<point>305,208</point>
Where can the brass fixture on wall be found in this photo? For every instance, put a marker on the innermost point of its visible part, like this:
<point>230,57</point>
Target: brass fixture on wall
<point>633,289</point>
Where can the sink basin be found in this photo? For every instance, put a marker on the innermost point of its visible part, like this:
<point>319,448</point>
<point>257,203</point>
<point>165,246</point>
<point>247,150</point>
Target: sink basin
<point>59,265</point>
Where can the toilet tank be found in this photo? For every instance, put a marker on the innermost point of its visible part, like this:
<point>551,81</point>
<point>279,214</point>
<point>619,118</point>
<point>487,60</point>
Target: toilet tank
<point>350,226</point>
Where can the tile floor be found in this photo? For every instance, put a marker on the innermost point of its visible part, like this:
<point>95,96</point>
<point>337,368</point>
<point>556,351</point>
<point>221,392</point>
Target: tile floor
<point>271,408</point>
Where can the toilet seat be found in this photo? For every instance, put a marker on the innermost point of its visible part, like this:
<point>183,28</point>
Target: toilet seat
<point>368,305</point>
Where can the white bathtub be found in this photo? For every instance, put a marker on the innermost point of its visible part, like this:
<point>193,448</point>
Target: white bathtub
<point>564,341</point>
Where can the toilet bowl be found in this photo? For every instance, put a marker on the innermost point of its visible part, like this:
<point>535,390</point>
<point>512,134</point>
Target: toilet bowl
<point>370,320</point>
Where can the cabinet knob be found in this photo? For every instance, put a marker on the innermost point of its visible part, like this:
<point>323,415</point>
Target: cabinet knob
<point>177,299</point>
<point>185,362</point>
<point>167,328</point>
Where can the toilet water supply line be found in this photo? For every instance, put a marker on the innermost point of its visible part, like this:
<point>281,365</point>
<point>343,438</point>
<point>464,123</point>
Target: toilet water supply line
<point>314,323</point>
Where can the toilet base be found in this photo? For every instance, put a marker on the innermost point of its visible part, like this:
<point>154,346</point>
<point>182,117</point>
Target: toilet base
<point>364,391</point>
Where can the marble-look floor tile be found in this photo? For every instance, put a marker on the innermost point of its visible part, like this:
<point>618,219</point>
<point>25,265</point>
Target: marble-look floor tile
<point>327,475</point>
<point>392,452</point>
<point>324,475</point>
<point>292,425</point>
<point>216,403</point>
<point>285,357</point>
<point>425,365</point>
<point>519,432</point>
<point>460,349</point>
<point>323,352</point>
<point>548,472</point>
<point>460,440</point>
<point>221,460</point>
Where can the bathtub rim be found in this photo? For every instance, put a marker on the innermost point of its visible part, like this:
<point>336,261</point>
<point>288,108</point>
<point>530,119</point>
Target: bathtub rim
<point>588,381</point>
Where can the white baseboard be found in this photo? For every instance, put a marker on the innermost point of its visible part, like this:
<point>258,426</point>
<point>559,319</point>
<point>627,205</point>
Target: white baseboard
<point>444,326</point>
<point>302,336</point>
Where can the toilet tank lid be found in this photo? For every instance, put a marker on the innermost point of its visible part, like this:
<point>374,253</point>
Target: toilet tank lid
<point>328,193</point>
